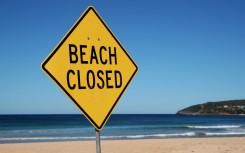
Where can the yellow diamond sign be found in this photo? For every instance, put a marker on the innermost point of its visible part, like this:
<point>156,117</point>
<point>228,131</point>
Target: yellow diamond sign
<point>91,67</point>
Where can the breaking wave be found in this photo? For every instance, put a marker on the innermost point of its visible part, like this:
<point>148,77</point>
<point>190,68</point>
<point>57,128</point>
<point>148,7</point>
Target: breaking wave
<point>169,135</point>
<point>215,127</point>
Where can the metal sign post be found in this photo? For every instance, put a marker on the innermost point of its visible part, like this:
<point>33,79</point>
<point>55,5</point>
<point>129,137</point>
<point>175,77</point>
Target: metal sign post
<point>90,60</point>
<point>97,134</point>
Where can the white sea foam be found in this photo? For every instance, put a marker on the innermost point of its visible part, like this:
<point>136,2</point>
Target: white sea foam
<point>150,135</point>
<point>215,127</point>
<point>90,138</point>
<point>225,134</point>
<point>44,138</point>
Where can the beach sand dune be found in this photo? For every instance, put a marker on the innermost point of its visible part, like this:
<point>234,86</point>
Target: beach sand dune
<point>180,145</point>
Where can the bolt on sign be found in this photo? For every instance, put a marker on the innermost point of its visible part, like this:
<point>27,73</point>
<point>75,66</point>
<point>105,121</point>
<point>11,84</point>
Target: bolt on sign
<point>91,67</point>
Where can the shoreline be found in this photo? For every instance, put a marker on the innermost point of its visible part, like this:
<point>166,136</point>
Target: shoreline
<point>126,139</point>
<point>169,145</point>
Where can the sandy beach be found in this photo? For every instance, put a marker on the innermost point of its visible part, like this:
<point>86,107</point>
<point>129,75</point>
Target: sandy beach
<point>180,145</point>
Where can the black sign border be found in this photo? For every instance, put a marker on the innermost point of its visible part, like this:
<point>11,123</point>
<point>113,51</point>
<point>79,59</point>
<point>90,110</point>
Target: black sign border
<point>90,8</point>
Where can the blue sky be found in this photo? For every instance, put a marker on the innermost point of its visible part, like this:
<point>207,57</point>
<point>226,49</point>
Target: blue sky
<point>188,52</point>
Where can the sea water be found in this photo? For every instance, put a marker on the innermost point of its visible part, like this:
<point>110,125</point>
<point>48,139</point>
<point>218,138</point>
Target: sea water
<point>49,128</point>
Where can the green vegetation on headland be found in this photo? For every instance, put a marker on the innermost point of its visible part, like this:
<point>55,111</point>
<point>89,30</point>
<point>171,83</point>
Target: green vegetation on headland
<point>231,107</point>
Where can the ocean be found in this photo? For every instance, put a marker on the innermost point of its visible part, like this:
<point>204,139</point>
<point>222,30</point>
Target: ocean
<point>50,128</point>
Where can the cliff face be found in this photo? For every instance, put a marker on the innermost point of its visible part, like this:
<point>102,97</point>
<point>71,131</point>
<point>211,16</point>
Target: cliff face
<point>236,107</point>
